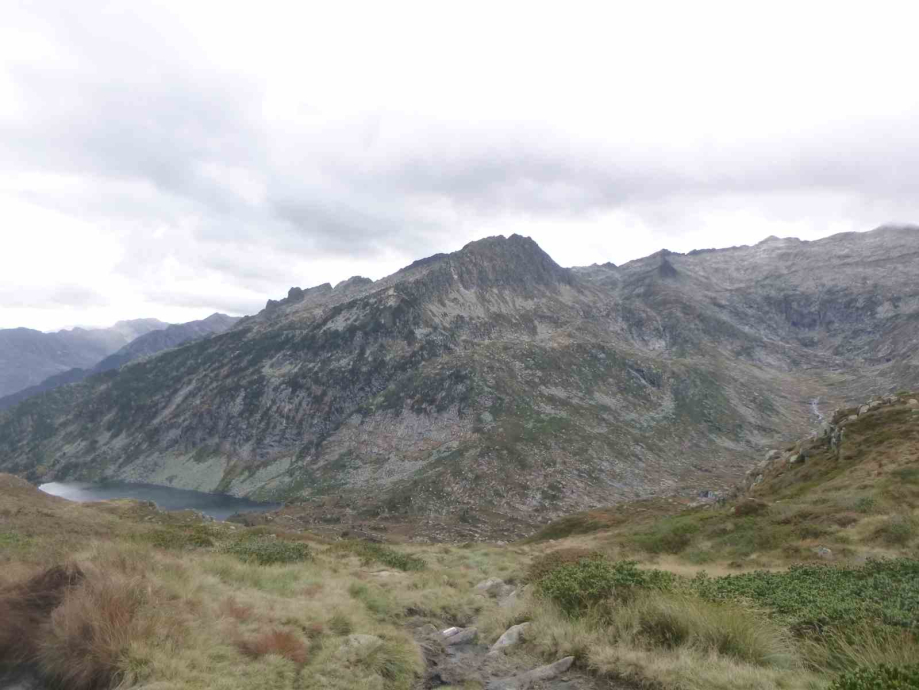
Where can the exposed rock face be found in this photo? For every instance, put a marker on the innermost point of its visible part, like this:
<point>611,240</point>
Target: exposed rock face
<point>491,386</point>
<point>27,357</point>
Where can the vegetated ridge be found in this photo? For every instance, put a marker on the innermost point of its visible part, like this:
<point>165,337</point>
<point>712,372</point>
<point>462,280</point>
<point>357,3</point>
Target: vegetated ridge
<point>490,390</point>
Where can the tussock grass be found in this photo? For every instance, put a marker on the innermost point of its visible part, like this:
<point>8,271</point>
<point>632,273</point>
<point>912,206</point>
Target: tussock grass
<point>281,643</point>
<point>24,608</point>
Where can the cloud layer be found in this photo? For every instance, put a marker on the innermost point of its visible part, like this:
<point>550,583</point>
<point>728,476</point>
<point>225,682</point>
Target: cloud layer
<point>172,159</point>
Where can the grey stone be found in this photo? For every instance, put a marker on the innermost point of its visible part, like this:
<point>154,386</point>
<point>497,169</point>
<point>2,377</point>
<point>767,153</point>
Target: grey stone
<point>823,552</point>
<point>512,636</point>
<point>464,636</point>
<point>852,417</point>
<point>863,410</point>
<point>913,402</point>
<point>773,455</point>
<point>494,588</point>
<point>796,459</point>
<point>536,675</point>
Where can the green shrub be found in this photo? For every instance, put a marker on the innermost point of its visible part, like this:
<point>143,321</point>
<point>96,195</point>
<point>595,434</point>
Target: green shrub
<point>545,564</point>
<point>670,535</point>
<point>369,552</point>
<point>195,537</point>
<point>897,531</point>
<point>866,504</point>
<point>880,677</point>
<point>576,587</point>
<point>266,551</point>
<point>811,597</point>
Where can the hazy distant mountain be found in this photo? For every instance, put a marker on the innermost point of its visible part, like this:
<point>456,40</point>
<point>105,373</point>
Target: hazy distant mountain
<point>491,387</point>
<point>147,344</point>
<point>28,357</point>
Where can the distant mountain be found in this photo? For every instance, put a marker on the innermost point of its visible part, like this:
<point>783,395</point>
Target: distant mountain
<point>147,344</point>
<point>490,389</point>
<point>28,357</point>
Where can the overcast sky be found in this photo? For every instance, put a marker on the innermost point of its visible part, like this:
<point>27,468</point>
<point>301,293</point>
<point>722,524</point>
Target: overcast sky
<point>173,159</point>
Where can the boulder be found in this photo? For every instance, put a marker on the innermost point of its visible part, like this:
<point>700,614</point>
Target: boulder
<point>823,552</point>
<point>864,409</point>
<point>852,417</point>
<point>796,459</point>
<point>773,455</point>
<point>535,676</point>
<point>913,402</point>
<point>495,588</point>
<point>512,636</point>
<point>464,636</point>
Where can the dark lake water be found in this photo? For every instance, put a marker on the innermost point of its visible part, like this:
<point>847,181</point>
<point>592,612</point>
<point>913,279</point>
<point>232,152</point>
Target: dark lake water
<point>218,506</point>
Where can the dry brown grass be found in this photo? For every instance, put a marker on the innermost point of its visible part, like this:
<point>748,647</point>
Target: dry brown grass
<point>25,608</point>
<point>233,609</point>
<point>86,643</point>
<point>281,643</point>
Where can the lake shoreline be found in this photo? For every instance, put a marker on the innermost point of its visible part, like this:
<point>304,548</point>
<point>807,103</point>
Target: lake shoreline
<point>217,506</point>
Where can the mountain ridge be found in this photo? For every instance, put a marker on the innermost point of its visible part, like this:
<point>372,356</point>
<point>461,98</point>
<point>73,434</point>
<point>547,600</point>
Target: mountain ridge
<point>492,382</point>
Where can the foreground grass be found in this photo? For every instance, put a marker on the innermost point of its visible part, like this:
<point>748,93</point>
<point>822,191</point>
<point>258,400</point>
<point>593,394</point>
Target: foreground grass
<point>118,594</point>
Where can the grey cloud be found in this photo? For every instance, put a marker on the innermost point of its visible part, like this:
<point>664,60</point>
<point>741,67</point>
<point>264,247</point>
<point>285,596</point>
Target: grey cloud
<point>51,296</point>
<point>138,112</point>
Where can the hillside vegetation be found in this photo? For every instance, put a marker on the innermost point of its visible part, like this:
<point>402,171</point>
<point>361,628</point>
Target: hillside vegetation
<point>808,577</point>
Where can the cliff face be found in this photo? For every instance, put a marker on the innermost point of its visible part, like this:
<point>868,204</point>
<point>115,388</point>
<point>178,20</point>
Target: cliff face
<point>491,386</point>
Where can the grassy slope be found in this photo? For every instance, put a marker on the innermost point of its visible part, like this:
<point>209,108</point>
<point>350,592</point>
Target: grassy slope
<point>171,602</point>
<point>860,504</point>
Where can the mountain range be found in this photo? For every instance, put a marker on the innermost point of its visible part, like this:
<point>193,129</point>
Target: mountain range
<point>150,343</point>
<point>28,357</point>
<point>490,390</point>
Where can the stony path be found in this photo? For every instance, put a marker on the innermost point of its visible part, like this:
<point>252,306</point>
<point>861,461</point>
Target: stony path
<point>457,656</point>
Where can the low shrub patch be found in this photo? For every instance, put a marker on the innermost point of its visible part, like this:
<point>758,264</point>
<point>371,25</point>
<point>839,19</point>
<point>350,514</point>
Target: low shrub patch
<point>815,596</point>
<point>882,677</point>
<point>195,537</point>
<point>670,535</point>
<point>545,564</point>
<point>265,551</point>
<point>897,531</point>
<point>575,587</point>
<point>369,552</point>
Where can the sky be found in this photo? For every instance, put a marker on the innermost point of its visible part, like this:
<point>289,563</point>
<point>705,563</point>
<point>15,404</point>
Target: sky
<point>173,159</point>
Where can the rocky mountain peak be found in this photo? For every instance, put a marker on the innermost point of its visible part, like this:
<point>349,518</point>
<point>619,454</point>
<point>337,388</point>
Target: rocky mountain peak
<point>352,282</point>
<point>503,262</point>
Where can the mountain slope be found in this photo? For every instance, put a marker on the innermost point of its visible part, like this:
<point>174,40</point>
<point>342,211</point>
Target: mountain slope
<point>144,345</point>
<point>491,388</point>
<point>27,357</point>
